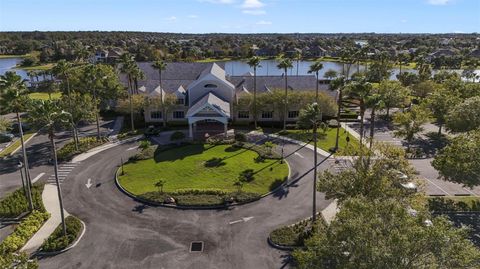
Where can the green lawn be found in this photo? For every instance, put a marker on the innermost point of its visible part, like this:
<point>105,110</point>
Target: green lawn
<point>7,151</point>
<point>184,168</point>
<point>327,141</point>
<point>44,95</point>
<point>7,56</point>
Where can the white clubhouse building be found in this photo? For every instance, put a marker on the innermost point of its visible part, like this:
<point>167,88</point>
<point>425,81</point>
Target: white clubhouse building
<point>206,95</point>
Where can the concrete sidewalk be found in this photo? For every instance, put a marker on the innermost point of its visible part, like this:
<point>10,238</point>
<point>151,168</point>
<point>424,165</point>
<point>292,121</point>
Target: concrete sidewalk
<point>52,205</point>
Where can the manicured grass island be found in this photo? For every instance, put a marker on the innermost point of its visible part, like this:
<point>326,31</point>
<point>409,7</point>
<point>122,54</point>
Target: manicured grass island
<point>209,172</point>
<point>326,140</point>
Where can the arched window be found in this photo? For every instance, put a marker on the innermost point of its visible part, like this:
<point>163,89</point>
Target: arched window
<point>210,86</point>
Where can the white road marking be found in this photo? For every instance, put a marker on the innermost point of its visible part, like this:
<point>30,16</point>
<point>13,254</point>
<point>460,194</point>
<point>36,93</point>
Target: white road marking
<point>472,193</point>
<point>245,219</point>
<point>37,177</point>
<point>299,155</point>
<point>437,186</point>
<point>89,183</point>
<point>132,148</point>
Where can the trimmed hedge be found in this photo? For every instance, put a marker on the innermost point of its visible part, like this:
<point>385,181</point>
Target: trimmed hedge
<point>201,197</point>
<point>14,204</point>
<point>57,241</point>
<point>86,143</point>
<point>296,234</point>
<point>451,205</point>
<point>26,229</point>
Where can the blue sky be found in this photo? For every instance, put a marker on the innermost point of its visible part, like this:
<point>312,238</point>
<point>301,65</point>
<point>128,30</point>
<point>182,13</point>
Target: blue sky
<point>243,16</point>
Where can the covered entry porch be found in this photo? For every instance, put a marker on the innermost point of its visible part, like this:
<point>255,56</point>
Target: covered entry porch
<point>208,116</point>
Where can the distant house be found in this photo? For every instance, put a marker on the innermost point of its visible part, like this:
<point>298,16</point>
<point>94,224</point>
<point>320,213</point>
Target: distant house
<point>442,52</point>
<point>107,56</point>
<point>206,95</point>
<point>317,51</point>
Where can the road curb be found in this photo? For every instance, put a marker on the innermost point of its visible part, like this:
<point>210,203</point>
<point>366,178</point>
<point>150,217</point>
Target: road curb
<point>226,206</point>
<point>280,247</point>
<point>74,244</point>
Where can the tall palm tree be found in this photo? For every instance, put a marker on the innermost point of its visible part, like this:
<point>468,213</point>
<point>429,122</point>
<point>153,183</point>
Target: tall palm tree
<point>14,97</point>
<point>92,74</point>
<point>254,62</point>
<point>338,84</point>
<point>285,63</point>
<point>62,70</point>
<point>47,113</point>
<point>360,90</point>
<point>128,68</point>
<point>298,57</point>
<point>315,68</point>
<point>160,66</point>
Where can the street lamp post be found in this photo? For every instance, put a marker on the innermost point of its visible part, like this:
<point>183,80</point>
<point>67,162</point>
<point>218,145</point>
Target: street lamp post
<point>315,125</point>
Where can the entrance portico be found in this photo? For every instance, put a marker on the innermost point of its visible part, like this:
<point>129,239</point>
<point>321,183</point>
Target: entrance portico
<point>208,109</point>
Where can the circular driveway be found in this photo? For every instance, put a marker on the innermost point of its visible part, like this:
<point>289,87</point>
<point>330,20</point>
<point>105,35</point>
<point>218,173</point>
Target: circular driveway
<point>123,233</point>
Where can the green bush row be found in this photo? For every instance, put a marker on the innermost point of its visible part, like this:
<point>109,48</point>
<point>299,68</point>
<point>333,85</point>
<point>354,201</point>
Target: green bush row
<point>201,197</point>
<point>16,203</point>
<point>444,205</point>
<point>22,233</point>
<point>295,235</point>
<point>57,241</point>
<point>86,143</point>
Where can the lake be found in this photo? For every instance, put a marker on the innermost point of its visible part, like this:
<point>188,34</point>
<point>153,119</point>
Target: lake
<point>9,64</point>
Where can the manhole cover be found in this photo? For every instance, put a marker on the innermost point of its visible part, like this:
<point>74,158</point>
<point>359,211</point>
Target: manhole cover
<point>196,246</point>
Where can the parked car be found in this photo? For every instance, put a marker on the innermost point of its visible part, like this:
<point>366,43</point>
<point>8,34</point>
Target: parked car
<point>6,137</point>
<point>25,127</point>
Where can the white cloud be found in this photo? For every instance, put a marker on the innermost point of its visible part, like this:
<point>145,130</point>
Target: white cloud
<point>171,18</point>
<point>438,2</point>
<point>252,4</point>
<point>403,21</point>
<point>193,16</point>
<point>264,23</point>
<point>254,12</point>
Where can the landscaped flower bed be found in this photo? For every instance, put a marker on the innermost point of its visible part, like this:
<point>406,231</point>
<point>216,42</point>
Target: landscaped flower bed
<point>203,175</point>
<point>57,241</point>
<point>22,233</point>
<point>86,143</point>
<point>296,234</point>
<point>16,203</point>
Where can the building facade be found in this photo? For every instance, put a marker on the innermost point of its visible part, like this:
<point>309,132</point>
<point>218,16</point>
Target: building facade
<point>206,97</point>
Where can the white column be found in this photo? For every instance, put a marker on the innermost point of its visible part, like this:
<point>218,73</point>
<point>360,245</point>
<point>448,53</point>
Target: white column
<point>225,127</point>
<point>190,132</point>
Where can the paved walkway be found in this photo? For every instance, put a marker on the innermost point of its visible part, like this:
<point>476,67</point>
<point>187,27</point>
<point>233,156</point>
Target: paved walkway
<point>52,205</point>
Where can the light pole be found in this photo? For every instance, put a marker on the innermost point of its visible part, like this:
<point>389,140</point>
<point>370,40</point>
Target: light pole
<point>317,118</point>
<point>28,192</point>
<point>20,165</point>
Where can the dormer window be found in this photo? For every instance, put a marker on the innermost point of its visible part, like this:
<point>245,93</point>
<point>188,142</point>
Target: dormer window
<point>210,86</point>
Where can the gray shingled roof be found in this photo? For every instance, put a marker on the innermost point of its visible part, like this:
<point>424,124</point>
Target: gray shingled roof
<point>214,101</point>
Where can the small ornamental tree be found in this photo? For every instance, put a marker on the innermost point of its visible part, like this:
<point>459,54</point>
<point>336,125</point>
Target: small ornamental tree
<point>458,161</point>
<point>159,184</point>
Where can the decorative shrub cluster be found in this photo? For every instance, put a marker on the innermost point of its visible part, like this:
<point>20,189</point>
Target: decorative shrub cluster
<point>57,241</point>
<point>26,229</point>
<point>86,143</point>
<point>202,197</point>
<point>296,234</point>
<point>16,203</point>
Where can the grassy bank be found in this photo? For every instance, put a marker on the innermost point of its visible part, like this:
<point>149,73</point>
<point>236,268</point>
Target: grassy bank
<point>44,95</point>
<point>15,145</point>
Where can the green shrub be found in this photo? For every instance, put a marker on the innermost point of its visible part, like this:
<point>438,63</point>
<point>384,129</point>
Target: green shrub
<point>144,144</point>
<point>14,204</point>
<point>247,175</point>
<point>86,143</point>
<point>145,154</point>
<point>201,197</point>
<point>296,234</point>
<point>22,233</point>
<point>177,136</point>
<point>444,205</point>
<point>57,241</point>
<point>240,137</point>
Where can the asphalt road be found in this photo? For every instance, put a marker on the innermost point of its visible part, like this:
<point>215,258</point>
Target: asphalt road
<point>122,233</point>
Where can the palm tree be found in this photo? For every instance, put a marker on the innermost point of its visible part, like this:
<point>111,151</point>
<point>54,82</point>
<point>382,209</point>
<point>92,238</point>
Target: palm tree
<point>374,102</point>
<point>47,113</point>
<point>92,74</point>
<point>13,99</point>
<point>311,116</point>
<point>160,66</point>
<point>128,68</point>
<point>62,70</point>
<point>315,68</point>
<point>254,62</point>
<point>285,63</point>
<point>298,57</point>
<point>338,84</point>
<point>360,90</point>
